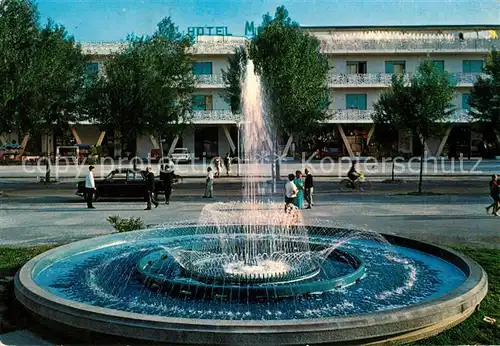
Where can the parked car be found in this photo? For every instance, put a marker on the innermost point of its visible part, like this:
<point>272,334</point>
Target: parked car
<point>181,155</point>
<point>120,183</point>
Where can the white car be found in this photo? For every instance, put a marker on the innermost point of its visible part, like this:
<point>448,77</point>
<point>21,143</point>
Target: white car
<point>181,155</point>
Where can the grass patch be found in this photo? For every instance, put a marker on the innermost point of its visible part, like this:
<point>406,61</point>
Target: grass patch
<point>473,331</point>
<point>13,258</point>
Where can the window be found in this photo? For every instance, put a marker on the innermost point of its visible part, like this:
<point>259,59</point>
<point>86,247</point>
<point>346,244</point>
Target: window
<point>472,66</point>
<point>202,102</point>
<point>135,176</point>
<point>201,68</point>
<point>439,64</point>
<point>395,67</point>
<point>93,67</point>
<point>355,101</point>
<point>119,176</point>
<point>354,67</point>
<point>465,101</point>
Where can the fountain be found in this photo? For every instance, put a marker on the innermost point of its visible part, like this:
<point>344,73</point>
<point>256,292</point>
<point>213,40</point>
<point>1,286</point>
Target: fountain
<point>249,272</point>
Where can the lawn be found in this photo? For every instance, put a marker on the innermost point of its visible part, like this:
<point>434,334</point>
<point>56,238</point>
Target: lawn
<point>472,332</point>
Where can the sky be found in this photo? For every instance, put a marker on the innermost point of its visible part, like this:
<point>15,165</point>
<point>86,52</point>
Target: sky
<point>112,20</point>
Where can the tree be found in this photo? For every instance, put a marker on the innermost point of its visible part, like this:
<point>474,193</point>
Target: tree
<point>42,70</point>
<point>232,78</point>
<point>18,34</point>
<point>421,104</point>
<point>294,75</point>
<point>169,82</point>
<point>485,97</point>
<point>114,101</point>
<point>147,87</point>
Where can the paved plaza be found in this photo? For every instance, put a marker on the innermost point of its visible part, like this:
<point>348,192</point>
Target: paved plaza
<point>35,213</point>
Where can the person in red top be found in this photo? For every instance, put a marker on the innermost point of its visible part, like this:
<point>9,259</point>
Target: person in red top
<point>495,195</point>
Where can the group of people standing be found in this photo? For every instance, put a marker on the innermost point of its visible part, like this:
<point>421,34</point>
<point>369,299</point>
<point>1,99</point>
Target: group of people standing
<point>298,188</point>
<point>166,177</point>
<point>228,162</point>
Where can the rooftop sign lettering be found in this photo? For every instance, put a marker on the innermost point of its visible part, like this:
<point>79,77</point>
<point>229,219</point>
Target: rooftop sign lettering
<point>208,31</point>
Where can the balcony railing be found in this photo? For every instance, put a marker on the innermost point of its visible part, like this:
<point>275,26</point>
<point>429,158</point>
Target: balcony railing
<point>338,116</point>
<point>401,46</point>
<point>350,116</point>
<point>467,79</point>
<point>365,116</point>
<point>340,80</point>
<point>360,79</point>
<point>217,47</point>
<point>219,115</point>
<point>328,46</point>
<point>210,80</point>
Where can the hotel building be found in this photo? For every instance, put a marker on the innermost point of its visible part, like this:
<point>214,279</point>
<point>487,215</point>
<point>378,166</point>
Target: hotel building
<point>363,60</point>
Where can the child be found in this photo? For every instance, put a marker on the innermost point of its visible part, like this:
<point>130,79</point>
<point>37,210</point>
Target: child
<point>210,183</point>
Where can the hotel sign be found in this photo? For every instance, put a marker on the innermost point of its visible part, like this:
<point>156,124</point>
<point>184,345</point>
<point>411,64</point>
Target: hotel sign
<point>250,30</point>
<point>208,31</point>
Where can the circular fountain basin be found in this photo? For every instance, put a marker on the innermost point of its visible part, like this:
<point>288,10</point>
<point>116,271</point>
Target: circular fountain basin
<point>407,290</point>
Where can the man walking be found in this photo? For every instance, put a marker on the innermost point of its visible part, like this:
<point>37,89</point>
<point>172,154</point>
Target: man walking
<point>90,187</point>
<point>167,177</point>
<point>150,189</point>
<point>495,195</point>
<point>309,189</point>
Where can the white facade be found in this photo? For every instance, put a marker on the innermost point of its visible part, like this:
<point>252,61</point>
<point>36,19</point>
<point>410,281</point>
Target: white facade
<point>458,49</point>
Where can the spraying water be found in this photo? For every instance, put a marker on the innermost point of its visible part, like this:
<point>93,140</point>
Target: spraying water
<point>256,138</point>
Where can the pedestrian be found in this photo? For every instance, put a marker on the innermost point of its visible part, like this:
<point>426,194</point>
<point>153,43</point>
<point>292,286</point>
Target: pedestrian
<point>290,192</point>
<point>309,189</point>
<point>495,195</point>
<point>299,183</point>
<point>167,177</point>
<point>218,165</point>
<point>90,187</point>
<point>228,163</point>
<point>209,188</point>
<point>150,189</point>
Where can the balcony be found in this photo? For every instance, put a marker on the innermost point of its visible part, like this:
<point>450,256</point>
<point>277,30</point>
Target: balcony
<point>384,79</point>
<point>336,116</point>
<point>210,81</point>
<point>466,79</point>
<point>342,80</point>
<point>201,48</point>
<point>219,116</point>
<point>220,47</point>
<point>359,116</point>
<point>331,46</point>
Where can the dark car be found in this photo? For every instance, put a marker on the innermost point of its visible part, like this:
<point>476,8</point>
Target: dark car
<point>121,184</point>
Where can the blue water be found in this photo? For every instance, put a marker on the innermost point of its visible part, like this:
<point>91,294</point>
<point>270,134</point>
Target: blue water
<point>107,277</point>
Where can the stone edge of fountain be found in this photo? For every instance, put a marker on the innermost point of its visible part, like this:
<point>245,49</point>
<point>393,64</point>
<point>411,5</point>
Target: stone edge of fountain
<point>402,324</point>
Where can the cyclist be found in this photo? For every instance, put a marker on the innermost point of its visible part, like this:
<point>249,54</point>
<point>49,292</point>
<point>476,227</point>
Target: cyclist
<point>353,174</point>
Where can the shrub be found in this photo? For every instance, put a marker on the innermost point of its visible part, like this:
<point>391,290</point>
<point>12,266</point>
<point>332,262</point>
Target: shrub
<point>125,225</point>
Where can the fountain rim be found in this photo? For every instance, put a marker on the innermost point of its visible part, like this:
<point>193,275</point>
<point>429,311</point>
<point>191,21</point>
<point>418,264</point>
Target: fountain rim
<point>476,279</point>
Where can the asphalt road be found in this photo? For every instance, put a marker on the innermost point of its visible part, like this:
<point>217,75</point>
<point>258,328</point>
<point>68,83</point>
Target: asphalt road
<point>37,213</point>
<point>432,167</point>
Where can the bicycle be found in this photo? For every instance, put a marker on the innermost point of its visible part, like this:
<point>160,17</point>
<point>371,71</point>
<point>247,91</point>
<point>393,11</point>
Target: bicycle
<point>177,179</point>
<point>360,184</point>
